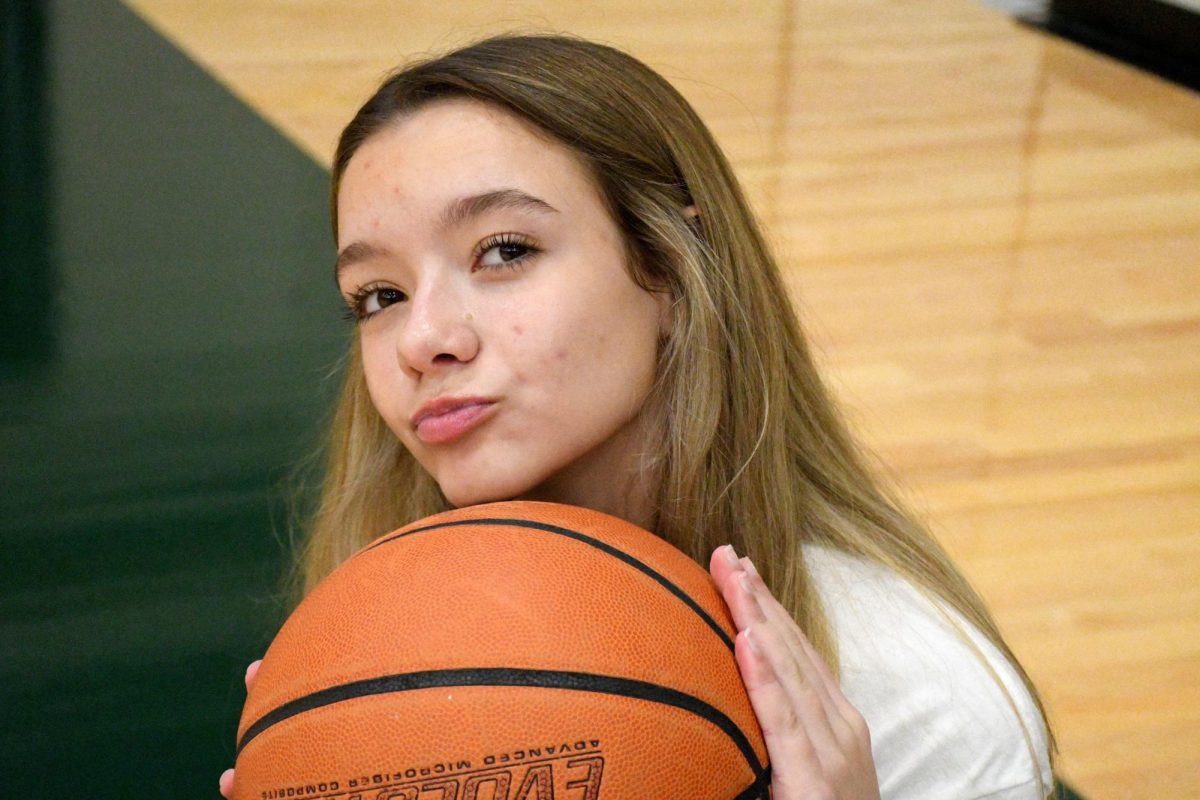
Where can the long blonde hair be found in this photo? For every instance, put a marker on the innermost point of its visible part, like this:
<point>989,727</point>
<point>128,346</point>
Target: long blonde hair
<point>751,449</point>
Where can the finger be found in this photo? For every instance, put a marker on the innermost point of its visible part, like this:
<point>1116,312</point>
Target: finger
<point>794,638</point>
<point>843,721</point>
<point>723,562</point>
<point>849,724</point>
<point>792,752</point>
<point>773,610</point>
<point>793,658</point>
<point>252,671</point>
<point>835,730</point>
<point>845,709</point>
<point>801,674</point>
<point>726,569</point>
<point>226,782</point>
<point>739,595</point>
<point>802,694</point>
<point>799,691</point>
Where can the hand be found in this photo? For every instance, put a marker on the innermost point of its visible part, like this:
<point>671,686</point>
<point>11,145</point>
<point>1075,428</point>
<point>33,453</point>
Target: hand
<point>819,745</point>
<point>226,782</point>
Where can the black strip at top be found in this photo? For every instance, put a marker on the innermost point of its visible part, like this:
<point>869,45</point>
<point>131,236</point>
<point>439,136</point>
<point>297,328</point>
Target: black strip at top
<point>599,545</point>
<point>505,676</point>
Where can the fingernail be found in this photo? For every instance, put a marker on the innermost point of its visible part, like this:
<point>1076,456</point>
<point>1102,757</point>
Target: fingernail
<point>744,582</point>
<point>729,555</point>
<point>749,566</point>
<point>752,641</point>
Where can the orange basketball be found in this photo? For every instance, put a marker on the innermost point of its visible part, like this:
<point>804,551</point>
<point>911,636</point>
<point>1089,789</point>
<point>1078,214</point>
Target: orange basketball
<point>512,651</point>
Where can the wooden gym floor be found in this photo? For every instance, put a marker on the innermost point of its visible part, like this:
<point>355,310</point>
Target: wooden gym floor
<point>994,237</point>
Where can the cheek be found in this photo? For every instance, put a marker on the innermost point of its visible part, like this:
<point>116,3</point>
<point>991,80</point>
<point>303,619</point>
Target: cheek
<point>607,361</point>
<point>571,352</point>
<point>382,378</point>
<point>550,372</point>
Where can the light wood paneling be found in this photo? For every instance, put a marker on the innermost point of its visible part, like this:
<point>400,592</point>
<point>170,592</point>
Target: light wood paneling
<point>994,237</point>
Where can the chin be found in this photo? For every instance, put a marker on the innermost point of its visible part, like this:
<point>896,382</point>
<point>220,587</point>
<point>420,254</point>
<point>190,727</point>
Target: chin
<point>472,485</point>
<point>461,496</point>
<point>477,493</point>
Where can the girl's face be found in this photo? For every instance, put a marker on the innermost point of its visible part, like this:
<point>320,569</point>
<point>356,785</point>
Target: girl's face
<point>503,340</point>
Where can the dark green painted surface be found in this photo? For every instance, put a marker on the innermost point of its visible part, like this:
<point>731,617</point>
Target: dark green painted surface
<point>1064,792</point>
<point>26,324</point>
<point>167,363</point>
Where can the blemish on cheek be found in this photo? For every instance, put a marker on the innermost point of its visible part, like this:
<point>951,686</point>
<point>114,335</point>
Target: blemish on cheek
<point>375,223</point>
<point>518,330</point>
<point>560,355</point>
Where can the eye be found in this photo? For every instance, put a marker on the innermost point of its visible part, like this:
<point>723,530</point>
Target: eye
<point>503,250</point>
<point>370,300</point>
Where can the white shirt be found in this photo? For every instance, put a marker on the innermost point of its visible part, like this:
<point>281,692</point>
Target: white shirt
<point>940,726</point>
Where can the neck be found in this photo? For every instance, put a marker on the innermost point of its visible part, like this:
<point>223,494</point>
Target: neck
<point>611,480</point>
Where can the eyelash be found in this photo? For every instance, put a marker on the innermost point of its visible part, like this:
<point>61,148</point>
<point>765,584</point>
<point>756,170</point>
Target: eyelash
<point>357,301</point>
<point>506,240</point>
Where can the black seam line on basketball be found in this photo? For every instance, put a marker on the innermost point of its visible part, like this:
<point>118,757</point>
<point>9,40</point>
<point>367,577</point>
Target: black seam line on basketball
<point>581,537</point>
<point>507,676</point>
<point>760,789</point>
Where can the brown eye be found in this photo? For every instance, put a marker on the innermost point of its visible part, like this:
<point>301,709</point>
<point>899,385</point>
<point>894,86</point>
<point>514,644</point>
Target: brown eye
<point>383,298</point>
<point>505,250</point>
<point>369,302</point>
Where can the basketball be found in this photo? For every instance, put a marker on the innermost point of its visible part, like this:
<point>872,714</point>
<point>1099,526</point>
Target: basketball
<point>510,651</point>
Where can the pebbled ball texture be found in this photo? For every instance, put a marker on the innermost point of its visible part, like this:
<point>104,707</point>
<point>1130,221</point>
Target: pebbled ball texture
<point>510,651</point>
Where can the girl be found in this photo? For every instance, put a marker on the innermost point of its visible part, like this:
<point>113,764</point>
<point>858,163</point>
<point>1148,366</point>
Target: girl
<point>561,294</point>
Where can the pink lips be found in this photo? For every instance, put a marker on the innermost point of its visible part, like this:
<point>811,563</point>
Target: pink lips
<point>448,418</point>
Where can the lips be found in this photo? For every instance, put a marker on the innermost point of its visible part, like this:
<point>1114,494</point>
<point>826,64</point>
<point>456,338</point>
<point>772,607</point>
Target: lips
<point>448,418</point>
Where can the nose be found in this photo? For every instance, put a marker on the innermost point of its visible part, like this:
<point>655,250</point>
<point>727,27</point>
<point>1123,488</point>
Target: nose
<point>438,332</point>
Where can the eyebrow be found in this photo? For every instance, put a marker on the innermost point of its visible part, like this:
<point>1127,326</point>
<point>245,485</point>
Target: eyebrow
<point>466,208</point>
<point>354,253</point>
<point>454,214</point>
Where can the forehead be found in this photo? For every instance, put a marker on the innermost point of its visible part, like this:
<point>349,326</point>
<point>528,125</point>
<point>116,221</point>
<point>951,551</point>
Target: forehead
<point>454,147</point>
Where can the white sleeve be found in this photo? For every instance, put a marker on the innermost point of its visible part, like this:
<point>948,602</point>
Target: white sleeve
<point>940,725</point>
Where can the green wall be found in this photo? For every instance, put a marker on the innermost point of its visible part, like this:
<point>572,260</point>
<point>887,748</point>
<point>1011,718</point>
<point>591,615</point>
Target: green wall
<point>171,328</point>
